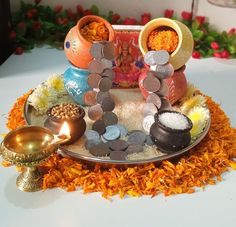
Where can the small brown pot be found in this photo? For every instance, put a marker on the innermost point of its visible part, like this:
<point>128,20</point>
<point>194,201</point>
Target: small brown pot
<point>76,47</point>
<point>77,126</point>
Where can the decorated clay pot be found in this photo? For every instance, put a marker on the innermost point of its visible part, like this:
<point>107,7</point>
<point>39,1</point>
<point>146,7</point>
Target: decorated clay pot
<point>177,85</point>
<point>77,126</point>
<point>185,44</point>
<point>167,139</point>
<point>75,81</point>
<point>76,47</point>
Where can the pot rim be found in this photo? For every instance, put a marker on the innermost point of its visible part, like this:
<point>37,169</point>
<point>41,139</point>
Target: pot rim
<point>84,20</point>
<point>81,115</point>
<point>190,124</point>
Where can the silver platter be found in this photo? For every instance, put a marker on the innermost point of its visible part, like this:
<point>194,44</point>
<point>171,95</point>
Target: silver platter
<point>77,155</point>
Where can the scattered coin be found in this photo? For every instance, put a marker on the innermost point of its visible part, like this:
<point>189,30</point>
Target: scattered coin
<point>101,95</point>
<point>91,135</point>
<point>161,57</point>
<point>99,126</point>
<point>108,51</point>
<point>164,90</point>
<point>109,118</point>
<point>155,99</point>
<point>165,71</point>
<point>123,130</point>
<point>105,84</point>
<point>90,98</point>
<point>134,148</point>
<point>96,66</point>
<point>100,150</point>
<point>109,73</point>
<point>108,104</point>
<point>151,83</point>
<point>112,133</point>
<point>118,145</point>
<point>118,155</point>
<point>147,123</point>
<point>137,138</point>
<point>93,80</point>
<point>96,50</point>
<point>149,58</point>
<point>103,139</point>
<point>149,109</point>
<point>91,143</point>
<point>95,112</point>
<point>149,141</point>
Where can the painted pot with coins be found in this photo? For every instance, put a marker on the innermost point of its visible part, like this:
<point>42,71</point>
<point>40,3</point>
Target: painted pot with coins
<point>75,81</point>
<point>73,114</point>
<point>171,131</point>
<point>174,88</point>
<point>79,39</point>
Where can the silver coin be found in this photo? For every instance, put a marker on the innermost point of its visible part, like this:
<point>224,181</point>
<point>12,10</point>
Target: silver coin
<point>149,141</point>
<point>123,130</point>
<point>110,118</point>
<point>108,51</point>
<point>91,135</point>
<point>149,109</point>
<point>161,57</point>
<point>151,83</point>
<point>96,50</point>
<point>106,63</point>
<point>101,95</point>
<point>155,99</point>
<point>100,150</point>
<point>96,66</point>
<point>164,89</point>
<point>91,143</point>
<point>147,123</point>
<point>165,71</point>
<point>137,138</point>
<point>149,58</point>
<point>112,133</point>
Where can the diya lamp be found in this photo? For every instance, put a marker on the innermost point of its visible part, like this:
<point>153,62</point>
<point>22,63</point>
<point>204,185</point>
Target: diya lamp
<point>177,83</point>
<point>29,146</point>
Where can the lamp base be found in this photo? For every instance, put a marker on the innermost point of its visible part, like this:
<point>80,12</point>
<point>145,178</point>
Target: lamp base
<point>30,180</point>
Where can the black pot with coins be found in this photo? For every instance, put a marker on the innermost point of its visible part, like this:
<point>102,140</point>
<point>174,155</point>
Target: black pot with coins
<point>73,114</point>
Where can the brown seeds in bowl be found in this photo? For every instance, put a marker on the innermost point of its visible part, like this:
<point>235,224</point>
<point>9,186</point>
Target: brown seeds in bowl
<point>65,111</point>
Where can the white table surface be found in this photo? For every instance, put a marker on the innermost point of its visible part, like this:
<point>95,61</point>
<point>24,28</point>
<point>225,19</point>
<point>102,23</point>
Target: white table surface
<point>215,206</point>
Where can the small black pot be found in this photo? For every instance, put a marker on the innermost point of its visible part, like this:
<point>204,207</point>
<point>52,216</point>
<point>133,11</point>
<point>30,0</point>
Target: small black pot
<point>170,140</point>
<point>77,126</point>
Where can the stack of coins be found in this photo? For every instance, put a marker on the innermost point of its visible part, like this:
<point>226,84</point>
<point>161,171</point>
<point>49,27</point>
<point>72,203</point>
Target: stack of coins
<point>100,79</point>
<point>154,83</point>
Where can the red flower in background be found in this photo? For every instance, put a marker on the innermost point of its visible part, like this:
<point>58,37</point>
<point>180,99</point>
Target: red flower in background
<point>58,8</point>
<point>37,25</point>
<point>32,13</point>
<point>145,18</point>
<point>200,19</point>
<point>80,10</point>
<point>88,12</point>
<point>169,13</point>
<point>225,54</point>
<point>21,25</point>
<point>130,21</point>
<point>12,35</point>
<point>19,50</point>
<point>37,1</point>
<point>232,31</point>
<point>70,14</point>
<point>62,21</point>
<point>215,46</point>
<point>115,18</point>
<point>217,55</point>
<point>196,54</point>
<point>186,15</point>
